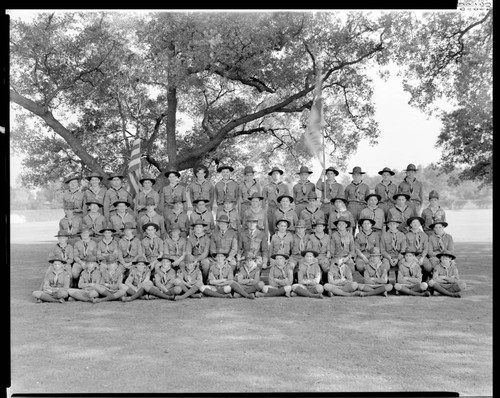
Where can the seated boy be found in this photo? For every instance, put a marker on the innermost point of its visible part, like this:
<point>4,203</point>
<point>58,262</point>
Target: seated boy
<point>63,250</point>
<point>375,276</point>
<point>320,242</point>
<point>439,241</point>
<point>342,244</point>
<point>55,283</point>
<point>445,279</point>
<point>418,242</point>
<point>280,278</point>
<point>309,276</point>
<point>366,239</point>
<point>89,279</point>
<point>189,279</point>
<point>392,246</point>
<point>111,286</point>
<point>340,282</point>
<point>410,277</point>
<point>248,276</point>
<point>165,278</point>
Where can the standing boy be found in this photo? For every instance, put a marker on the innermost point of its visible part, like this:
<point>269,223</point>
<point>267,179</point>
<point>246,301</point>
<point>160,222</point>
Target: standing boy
<point>247,188</point>
<point>355,194</point>
<point>412,187</point>
<point>433,212</point>
<point>145,195</point>
<point>204,214</point>
<point>271,192</point>
<point>226,186</point>
<point>386,189</point>
<point>198,246</point>
<point>333,189</point>
<point>401,211</point>
<point>93,219</point>
<point>302,189</point>
<point>172,192</point>
<point>201,186</point>
<point>177,218</point>
<point>225,240</point>
<point>115,194</point>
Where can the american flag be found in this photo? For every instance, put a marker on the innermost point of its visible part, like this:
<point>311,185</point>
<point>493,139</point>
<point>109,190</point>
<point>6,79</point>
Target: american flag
<point>313,134</point>
<point>134,167</point>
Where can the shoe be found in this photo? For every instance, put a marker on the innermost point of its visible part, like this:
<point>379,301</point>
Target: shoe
<point>71,298</point>
<point>251,296</point>
<point>427,294</point>
<point>293,294</point>
<point>62,301</point>
<point>330,294</point>
<point>259,294</point>
<point>392,277</point>
<point>236,295</point>
<point>384,294</point>
<point>38,301</point>
<point>196,295</point>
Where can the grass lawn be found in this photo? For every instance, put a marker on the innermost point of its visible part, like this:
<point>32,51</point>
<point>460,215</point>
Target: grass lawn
<point>270,344</point>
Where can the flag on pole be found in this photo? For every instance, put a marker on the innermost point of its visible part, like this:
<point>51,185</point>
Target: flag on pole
<point>314,131</point>
<point>134,167</point>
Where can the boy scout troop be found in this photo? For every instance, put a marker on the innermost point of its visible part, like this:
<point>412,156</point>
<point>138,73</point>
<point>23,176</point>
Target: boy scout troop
<point>219,237</point>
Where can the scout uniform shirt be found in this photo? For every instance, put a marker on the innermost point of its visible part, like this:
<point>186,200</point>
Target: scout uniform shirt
<point>198,246</point>
<point>71,225</point>
<point>409,270</point>
<point>450,272</point>
<point>113,195</point>
<point>114,277</point>
<point>226,242</point>
<point>281,244</point>
<point>151,247</point>
<point>356,193</point>
<point>177,220</point>
<point>320,244</point>
<point>65,252</point>
<point>174,249</point>
<point>83,249</point>
<point>168,194</point>
<point>377,214</point>
<point>386,193</point>
<point>339,274</point>
<point>417,242</point>
<point>279,276</point>
<point>164,278</point>
<point>136,278</point>
<point>311,217</point>
<point>53,279</point>
<point>107,248</point>
<point>272,191</point>
<point>335,215</point>
<point>191,278</point>
<point>140,200</point>
<point>246,190</point>
<point>438,244</point>
<point>395,213</point>
<point>205,190</point>
<point>392,244</point>
<point>299,244</point>
<point>254,243</point>
<point>95,222</point>
<point>118,220</point>
<point>430,216</point>
<point>93,195</point>
<point>249,272</point>
<point>375,271</point>
<point>225,189</point>
<point>87,277</point>
<point>365,242</point>
<point>309,274</point>
<point>333,190</point>
<point>77,198</point>
<point>218,273</point>
<point>342,244</point>
<point>129,249</point>
<point>300,191</point>
<point>412,188</point>
<point>260,215</point>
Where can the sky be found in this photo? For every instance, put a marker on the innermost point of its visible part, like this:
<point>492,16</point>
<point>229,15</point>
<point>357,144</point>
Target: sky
<point>407,134</point>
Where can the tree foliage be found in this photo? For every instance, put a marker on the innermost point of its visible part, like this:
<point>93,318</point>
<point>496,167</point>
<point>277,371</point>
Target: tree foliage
<point>195,87</point>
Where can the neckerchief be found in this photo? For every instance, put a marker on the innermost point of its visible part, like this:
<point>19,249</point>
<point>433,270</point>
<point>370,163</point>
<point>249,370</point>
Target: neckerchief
<point>410,183</point>
<point>85,248</point>
<point>63,249</point>
<point>107,245</point>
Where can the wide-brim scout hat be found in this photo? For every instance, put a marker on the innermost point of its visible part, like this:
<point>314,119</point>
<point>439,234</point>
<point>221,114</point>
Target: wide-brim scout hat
<point>393,218</point>
<point>332,200</point>
<point>90,202</point>
<point>113,175</point>
<point>178,199</point>
<point>223,218</point>
<point>433,194</point>
<point>357,169</point>
<point>69,206</point>
<point>229,198</point>
<point>201,167</point>
<point>301,224</point>
<point>107,228</point>
<point>361,220</point>
<point>56,258</point>
<point>225,166</point>
<point>172,171</point>
<point>141,259</point>
<point>401,194</point>
<point>375,251</point>
<point>284,196</point>
<point>275,169</point>
<point>312,195</point>
<point>166,257</point>
<point>319,222</point>
<point>411,167</point>
<point>141,181</point>
<point>198,222</point>
<point>71,178</point>
<point>92,175</point>
<point>248,169</point>
<point>255,195</point>
<point>220,251</point>
<point>344,220</point>
<point>442,222</point>
<point>386,170</point>
<point>62,233</point>
<point>373,194</point>
<point>420,220</point>
<point>91,259</point>
<point>128,225</point>
<point>109,259</point>
<point>189,259</point>
<point>332,169</point>
<point>201,200</point>
<point>151,224</point>
<point>83,230</point>
<point>121,201</point>
<point>304,252</point>
<point>446,253</point>
<point>304,169</point>
<point>283,220</point>
<point>273,256</point>
<point>409,251</point>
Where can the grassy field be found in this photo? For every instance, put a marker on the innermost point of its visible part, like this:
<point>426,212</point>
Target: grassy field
<point>274,344</point>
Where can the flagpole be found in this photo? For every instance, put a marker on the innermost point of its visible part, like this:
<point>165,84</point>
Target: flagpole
<point>324,163</point>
